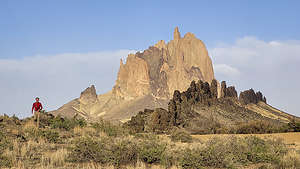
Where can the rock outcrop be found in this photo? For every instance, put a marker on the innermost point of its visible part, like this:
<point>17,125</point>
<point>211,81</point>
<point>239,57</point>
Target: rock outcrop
<point>148,79</point>
<point>198,110</point>
<point>180,108</point>
<point>163,68</point>
<point>89,95</point>
<point>249,96</point>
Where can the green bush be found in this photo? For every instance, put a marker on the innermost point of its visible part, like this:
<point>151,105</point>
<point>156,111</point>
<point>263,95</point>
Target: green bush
<point>108,128</point>
<point>150,151</point>
<point>223,152</point>
<point>5,162</point>
<point>66,124</point>
<point>50,135</point>
<point>260,150</point>
<point>123,152</point>
<point>182,136</point>
<point>87,149</point>
<point>232,152</point>
<point>257,127</point>
<point>4,144</point>
<point>294,126</point>
<point>104,151</point>
<point>190,159</point>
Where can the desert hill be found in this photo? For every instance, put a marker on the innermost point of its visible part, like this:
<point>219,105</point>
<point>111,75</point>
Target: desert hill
<point>147,80</point>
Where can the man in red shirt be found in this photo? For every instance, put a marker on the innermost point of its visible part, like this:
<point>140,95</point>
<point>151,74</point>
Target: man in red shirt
<point>36,108</point>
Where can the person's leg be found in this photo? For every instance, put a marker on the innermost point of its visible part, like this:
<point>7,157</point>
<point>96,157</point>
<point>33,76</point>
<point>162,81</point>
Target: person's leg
<point>34,116</point>
<point>38,119</point>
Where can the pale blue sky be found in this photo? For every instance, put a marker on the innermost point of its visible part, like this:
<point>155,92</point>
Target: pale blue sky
<point>30,27</point>
<point>76,43</point>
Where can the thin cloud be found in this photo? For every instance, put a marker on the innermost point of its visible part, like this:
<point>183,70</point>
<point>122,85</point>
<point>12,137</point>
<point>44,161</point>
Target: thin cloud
<point>269,66</point>
<point>226,70</point>
<point>56,79</point>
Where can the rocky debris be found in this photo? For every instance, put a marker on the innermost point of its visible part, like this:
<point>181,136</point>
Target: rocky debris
<point>249,96</point>
<point>89,95</point>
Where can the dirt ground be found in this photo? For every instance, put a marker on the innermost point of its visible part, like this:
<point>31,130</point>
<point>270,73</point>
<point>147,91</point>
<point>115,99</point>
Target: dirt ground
<point>291,139</point>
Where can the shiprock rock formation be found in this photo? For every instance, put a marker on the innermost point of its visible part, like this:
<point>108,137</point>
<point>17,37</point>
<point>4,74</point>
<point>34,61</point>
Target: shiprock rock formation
<point>199,111</point>
<point>147,80</point>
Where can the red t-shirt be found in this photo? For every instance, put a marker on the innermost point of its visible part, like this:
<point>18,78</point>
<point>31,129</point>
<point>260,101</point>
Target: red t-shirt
<point>37,106</point>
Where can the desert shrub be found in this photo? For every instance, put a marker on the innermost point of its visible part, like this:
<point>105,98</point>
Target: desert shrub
<point>4,144</point>
<point>123,152</point>
<point>260,150</point>
<point>223,152</point>
<point>50,135</point>
<point>104,151</point>
<point>66,124</point>
<point>256,127</point>
<point>294,126</point>
<point>232,152</point>
<point>151,151</point>
<point>108,128</point>
<point>87,149</point>
<point>146,136</point>
<point>181,135</point>
<point>190,159</point>
<point>5,162</point>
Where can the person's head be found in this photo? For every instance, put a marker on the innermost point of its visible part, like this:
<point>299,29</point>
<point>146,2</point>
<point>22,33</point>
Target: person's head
<point>37,99</point>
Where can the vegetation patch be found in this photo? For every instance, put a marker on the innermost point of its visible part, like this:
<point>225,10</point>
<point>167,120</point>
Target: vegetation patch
<point>181,135</point>
<point>71,143</point>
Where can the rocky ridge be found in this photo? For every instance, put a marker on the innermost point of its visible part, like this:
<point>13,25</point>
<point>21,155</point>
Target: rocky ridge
<point>198,110</point>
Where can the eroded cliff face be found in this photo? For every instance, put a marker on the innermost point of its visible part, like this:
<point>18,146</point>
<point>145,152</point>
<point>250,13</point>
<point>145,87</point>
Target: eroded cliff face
<point>163,68</point>
<point>147,80</point>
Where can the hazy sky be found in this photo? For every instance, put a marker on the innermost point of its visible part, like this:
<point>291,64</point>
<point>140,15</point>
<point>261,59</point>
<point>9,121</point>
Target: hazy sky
<point>54,49</point>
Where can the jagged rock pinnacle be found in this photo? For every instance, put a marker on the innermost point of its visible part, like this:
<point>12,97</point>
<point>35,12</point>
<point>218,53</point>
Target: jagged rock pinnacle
<point>88,95</point>
<point>176,34</point>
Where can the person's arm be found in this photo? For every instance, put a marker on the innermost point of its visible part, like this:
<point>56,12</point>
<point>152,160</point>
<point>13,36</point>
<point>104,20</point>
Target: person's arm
<point>41,107</point>
<point>32,108</point>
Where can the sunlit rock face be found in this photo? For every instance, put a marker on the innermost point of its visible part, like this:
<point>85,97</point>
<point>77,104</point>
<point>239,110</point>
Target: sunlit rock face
<point>163,68</point>
<point>147,79</point>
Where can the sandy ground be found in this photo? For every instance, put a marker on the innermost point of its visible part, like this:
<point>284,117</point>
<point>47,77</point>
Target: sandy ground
<point>292,139</point>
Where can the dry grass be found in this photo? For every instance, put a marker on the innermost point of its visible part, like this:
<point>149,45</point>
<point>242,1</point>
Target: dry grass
<point>292,139</point>
<point>29,125</point>
<point>290,161</point>
<point>84,131</point>
<point>266,112</point>
<point>105,145</point>
<point>55,159</point>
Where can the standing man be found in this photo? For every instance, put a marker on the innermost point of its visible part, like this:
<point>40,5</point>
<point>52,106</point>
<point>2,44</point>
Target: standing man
<point>36,108</point>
